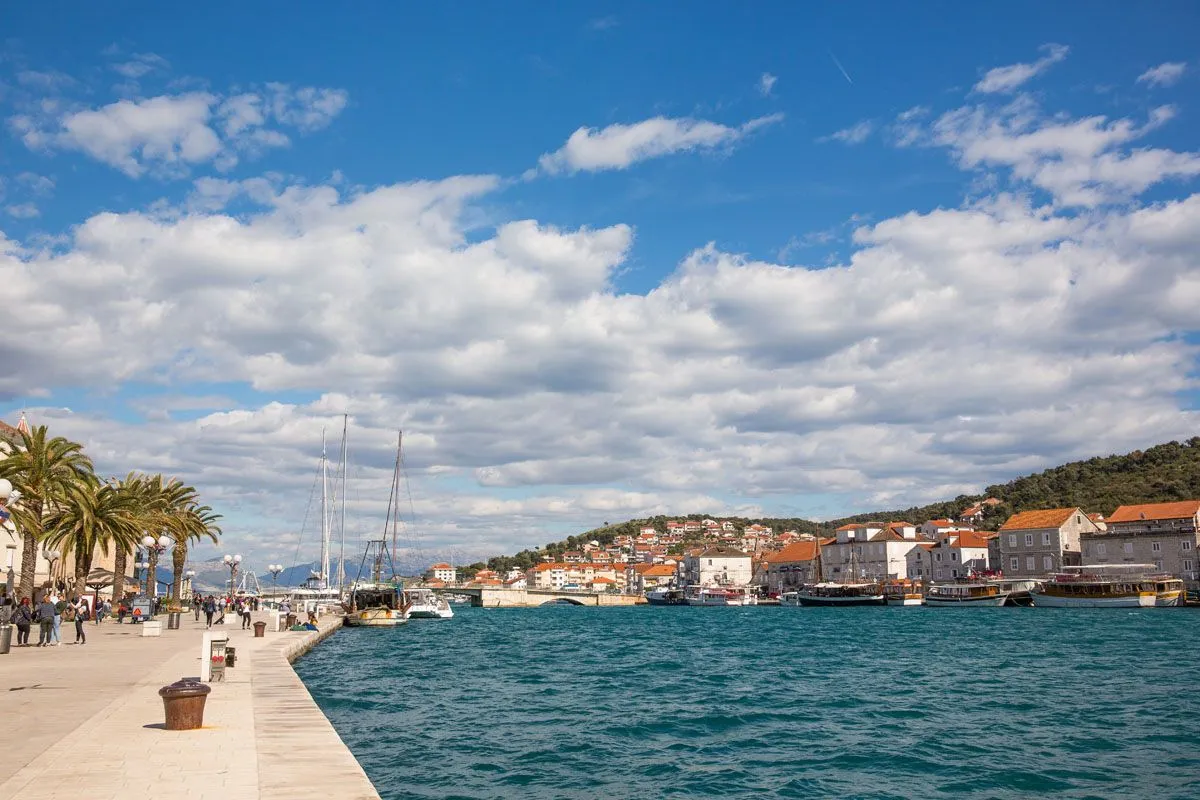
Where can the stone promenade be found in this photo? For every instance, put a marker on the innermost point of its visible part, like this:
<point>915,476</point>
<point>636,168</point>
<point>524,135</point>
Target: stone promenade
<point>87,721</point>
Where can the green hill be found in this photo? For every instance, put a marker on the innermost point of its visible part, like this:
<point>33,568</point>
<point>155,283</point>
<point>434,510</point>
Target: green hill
<point>1163,473</point>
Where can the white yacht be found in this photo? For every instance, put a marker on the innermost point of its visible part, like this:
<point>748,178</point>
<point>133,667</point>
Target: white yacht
<point>426,604</point>
<point>719,596</point>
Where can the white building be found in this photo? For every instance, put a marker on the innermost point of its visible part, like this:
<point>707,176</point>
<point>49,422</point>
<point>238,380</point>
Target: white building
<point>442,572</point>
<point>953,555</point>
<point>869,551</point>
<point>717,566</point>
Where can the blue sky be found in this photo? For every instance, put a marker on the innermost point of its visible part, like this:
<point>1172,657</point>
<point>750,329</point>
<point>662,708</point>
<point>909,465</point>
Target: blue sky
<point>600,261</point>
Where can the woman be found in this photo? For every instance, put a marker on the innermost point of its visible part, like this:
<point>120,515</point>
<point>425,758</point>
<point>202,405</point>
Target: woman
<point>23,619</point>
<point>210,608</point>
<point>81,616</point>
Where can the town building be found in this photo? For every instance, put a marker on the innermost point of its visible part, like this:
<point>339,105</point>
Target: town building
<point>1162,534</point>
<point>1043,541</point>
<point>641,578</point>
<point>442,572</point>
<point>868,551</point>
<point>792,567</point>
<point>716,566</point>
<point>956,555</point>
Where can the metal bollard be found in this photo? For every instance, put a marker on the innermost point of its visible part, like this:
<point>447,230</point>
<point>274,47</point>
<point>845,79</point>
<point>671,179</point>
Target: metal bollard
<point>183,704</point>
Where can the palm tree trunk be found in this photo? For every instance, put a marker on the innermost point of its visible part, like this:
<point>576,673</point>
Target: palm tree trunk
<point>81,564</point>
<point>118,586</point>
<point>29,551</point>
<point>178,560</point>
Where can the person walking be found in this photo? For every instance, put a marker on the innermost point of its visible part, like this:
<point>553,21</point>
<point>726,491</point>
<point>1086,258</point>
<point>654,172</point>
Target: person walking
<point>210,608</point>
<point>23,618</point>
<point>45,620</point>
<point>81,616</point>
<point>246,616</point>
<point>197,602</point>
<point>60,605</point>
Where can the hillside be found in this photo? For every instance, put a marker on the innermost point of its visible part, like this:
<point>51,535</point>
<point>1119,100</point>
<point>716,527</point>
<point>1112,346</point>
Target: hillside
<point>1163,473</point>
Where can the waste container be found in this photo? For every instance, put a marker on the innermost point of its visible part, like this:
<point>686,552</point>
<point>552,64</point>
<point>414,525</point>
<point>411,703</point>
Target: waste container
<point>291,620</point>
<point>5,638</point>
<point>230,656</point>
<point>173,620</point>
<point>260,630</point>
<point>183,704</point>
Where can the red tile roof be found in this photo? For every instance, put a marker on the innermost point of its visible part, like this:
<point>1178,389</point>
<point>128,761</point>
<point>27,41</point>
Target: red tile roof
<point>970,539</point>
<point>796,551</point>
<point>1180,510</point>
<point>6,429</point>
<point>1042,518</point>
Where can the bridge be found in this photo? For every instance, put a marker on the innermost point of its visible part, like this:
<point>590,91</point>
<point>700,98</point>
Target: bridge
<point>499,597</point>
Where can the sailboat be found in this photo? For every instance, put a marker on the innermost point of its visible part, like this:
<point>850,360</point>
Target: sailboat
<point>378,602</point>
<point>321,593</point>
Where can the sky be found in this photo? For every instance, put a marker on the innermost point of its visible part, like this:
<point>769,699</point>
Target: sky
<point>597,261</point>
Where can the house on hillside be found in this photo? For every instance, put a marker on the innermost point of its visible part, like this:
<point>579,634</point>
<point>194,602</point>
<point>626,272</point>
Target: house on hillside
<point>1166,535</point>
<point>442,572</point>
<point>1034,543</point>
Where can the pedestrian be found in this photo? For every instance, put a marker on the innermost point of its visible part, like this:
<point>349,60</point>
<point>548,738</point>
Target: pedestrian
<point>122,610</point>
<point>81,616</point>
<point>210,608</point>
<point>60,605</point>
<point>197,602</point>
<point>103,609</point>
<point>23,619</point>
<point>246,617</point>
<point>45,620</point>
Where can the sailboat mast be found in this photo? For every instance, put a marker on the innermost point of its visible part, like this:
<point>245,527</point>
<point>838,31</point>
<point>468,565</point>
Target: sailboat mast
<point>396,488</point>
<point>342,546</point>
<point>324,514</point>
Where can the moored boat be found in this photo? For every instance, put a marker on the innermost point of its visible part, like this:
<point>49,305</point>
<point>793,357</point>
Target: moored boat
<point>426,604</point>
<point>902,593</point>
<point>666,596</point>
<point>1168,591</point>
<point>719,596</point>
<point>841,594</point>
<point>985,593</point>
<point>1098,586</point>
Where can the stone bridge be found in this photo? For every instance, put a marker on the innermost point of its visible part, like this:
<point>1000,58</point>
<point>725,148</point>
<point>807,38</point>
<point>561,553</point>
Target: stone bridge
<point>498,597</point>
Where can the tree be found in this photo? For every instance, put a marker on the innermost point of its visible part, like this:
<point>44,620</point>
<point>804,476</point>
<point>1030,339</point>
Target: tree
<point>47,471</point>
<point>192,522</point>
<point>95,516</point>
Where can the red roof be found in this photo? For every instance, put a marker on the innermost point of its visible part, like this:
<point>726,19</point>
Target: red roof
<point>970,539</point>
<point>1184,509</point>
<point>1042,518</point>
<point>441,566</point>
<point>796,551</point>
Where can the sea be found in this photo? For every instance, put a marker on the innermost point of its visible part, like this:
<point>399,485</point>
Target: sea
<point>681,702</point>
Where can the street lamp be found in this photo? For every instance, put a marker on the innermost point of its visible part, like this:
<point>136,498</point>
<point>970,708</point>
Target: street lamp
<point>232,562</point>
<point>153,548</point>
<point>143,568</point>
<point>274,569</point>
<point>188,575</point>
<point>51,556</point>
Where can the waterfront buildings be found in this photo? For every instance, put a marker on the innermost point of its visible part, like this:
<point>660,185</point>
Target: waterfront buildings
<point>792,567</point>
<point>872,550</point>
<point>1035,543</point>
<point>442,572</point>
<point>1162,534</point>
<point>641,578</point>
<point>716,566</point>
<point>955,555</point>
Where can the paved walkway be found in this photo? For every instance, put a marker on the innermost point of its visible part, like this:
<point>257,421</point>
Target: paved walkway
<point>86,721</point>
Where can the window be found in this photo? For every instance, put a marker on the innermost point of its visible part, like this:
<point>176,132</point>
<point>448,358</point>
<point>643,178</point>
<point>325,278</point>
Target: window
<point>1156,547</point>
<point>1012,540</point>
<point>953,556</point>
<point>710,562</point>
<point>1100,548</point>
<point>954,573</point>
<point>1158,564</point>
<point>1047,563</point>
<point>1078,519</point>
<point>1187,565</point>
<point>1128,548</point>
<point>1046,537</point>
<point>937,556</point>
<point>1186,544</point>
<point>1030,563</point>
<point>1029,540</point>
<point>1014,563</point>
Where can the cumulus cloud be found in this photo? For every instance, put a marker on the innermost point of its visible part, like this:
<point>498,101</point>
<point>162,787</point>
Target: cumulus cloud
<point>168,134</point>
<point>141,64</point>
<point>620,146</point>
<point>23,210</point>
<point>1013,76</point>
<point>855,134</point>
<point>766,84</point>
<point>1164,74</point>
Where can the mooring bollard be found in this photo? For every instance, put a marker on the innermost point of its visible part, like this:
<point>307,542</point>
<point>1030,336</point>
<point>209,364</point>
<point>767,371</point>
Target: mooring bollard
<point>183,704</point>
<point>260,630</point>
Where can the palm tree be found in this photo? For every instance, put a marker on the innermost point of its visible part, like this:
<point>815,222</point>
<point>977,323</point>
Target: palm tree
<point>197,522</point>
<point>47,472</point>
<point>139,489</point>
<point>95,516</point>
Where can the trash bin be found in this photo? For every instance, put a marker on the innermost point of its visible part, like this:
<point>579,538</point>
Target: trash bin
<point>291,620</point>
<point>5,638</point>
<point>230,656</point>
<point>173,620</point>
<point>183,704</point>
<point>260,630</point>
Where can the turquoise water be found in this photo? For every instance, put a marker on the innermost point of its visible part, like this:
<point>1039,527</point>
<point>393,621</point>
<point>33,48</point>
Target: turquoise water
<point>570,702</point>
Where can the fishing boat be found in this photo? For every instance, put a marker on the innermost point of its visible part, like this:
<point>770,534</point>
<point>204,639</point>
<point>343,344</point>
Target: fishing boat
<point>719,596</point>
<point>376,602</point>
<point>1098,586</point>
<point>1168,591</point>
<point>841,594</point>
<point>426,604</point>
<point>666,596</point>
<point>966,593</point>
<point>902,593</point>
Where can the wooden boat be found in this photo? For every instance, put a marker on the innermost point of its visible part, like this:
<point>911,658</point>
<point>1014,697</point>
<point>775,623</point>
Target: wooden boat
<point>1098,586</point>
<point>841,594</point>
<point>902,593</point>
<point>1168,591</point>
<point>974,593</point>
<point>379,601</point>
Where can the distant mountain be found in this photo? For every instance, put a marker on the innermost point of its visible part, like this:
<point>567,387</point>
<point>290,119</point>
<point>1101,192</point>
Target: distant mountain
<point>1163,473</point>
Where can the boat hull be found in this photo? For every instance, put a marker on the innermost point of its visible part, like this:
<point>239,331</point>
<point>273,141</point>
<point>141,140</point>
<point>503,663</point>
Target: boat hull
<point>1171,599</point>
<point>949,602</point>
<point>864,600</point>
<point>430,613</point>
<point>1133,600</point>
<point>906,601</point>
<point>374,618</point>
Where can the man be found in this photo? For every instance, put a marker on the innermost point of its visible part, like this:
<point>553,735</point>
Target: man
<point>45,620</point>
<point>246,616</point>
<point>60,605</point>
<point>197,601</point>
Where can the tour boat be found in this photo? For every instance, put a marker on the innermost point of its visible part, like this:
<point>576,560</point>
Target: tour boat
<point>1098,586</point>
<point>1168,591</point>
<point>719,596</point>
<point>841,594</point>
<point>378,601</point>
<point>426,604</point>
<point>902,593</point>
<point>975,593</point>
<point>666,596</point>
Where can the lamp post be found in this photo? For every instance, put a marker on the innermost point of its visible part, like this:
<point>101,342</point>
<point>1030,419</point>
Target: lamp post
<point>187,576</point>
<point>153,548</point>
<point>232,562</point>
<point>275,569</point>
<point>51,556</point>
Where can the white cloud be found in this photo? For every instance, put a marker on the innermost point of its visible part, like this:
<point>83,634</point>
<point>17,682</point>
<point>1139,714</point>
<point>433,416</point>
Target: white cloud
<point>23,210</point>
<point>1164,74</point>
<point>141,64</point>
<point>620,146</point>
<point>169,134</point>
<point>855,134</point>
<point>39,185</point>
<point>766,84</point>
<point>603,23</point>
<point>1011,77</point>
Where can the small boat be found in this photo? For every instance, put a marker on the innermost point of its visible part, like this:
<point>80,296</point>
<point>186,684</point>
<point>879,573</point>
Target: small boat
<point>841,594</point>
<point>902,593</point>
<point>719,596</point>
<point>975,593</point>
<point>1098,586</point>
<point>1168,591</point>
<point>666,596</point>
<point>426,604</point>
<point>376,603</point>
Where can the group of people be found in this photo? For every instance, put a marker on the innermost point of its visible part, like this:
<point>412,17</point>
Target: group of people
<point>212,606</point>
<point>48,613</point>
